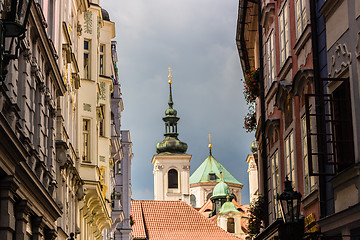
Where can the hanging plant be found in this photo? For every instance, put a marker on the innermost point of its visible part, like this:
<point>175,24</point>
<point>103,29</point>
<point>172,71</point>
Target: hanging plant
<point>131,220</point>
<point>251,85</point>
<point>250,122</point>
<point>256,215</point>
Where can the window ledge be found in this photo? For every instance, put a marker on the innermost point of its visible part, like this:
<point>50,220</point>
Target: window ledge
<point>309,199</point>
<point>302,40</point>
<point>285,68</point>
<point>271,91</point>
<point>345,176</point>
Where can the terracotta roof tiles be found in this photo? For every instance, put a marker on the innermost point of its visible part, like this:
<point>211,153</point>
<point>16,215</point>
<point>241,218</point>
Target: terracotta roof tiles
<point>172,220</point>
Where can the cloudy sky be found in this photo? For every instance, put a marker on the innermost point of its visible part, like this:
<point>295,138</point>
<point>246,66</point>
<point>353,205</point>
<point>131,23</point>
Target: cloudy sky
<point>197,39</point>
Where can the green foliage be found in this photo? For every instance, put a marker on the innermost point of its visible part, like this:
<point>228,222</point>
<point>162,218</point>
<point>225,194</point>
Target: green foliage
<point>257,215</point>
<point>251,92</point>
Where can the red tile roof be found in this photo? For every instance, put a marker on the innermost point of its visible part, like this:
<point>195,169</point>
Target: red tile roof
<point>169,220</point>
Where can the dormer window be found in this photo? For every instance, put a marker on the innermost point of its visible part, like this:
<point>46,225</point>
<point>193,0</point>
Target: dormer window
<point>212,177</point>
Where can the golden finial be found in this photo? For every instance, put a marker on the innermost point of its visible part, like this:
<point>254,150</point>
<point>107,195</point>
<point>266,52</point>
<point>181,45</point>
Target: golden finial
<point>170,76</point>
<point>210,145</point>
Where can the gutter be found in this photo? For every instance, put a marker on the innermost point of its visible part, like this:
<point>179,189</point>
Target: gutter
<point>319,91</point>
<point>240,41</point>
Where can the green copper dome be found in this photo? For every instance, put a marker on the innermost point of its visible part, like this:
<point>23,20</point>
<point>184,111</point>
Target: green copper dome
<point>205,172</point>
<point>171,144</point>
<point>221,190</point>
<point>228,207</point>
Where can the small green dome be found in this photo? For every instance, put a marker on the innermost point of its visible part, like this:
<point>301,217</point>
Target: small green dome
<point>221,190</point>
<point>170,112</point>
<point>171,145</point>
<point>228,207</point>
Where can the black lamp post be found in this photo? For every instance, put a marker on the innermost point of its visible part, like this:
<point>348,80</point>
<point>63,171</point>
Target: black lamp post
<point>290,200</point>
<point>12,25</point>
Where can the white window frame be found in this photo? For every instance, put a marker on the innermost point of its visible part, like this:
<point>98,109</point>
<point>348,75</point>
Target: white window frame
<point>275,181</point>
<point>102,59</point>
<point>284,34</point>
<point>290,172</point>
<point>87,67</point>
<point>270,59</point>
<point>301,16</point>
<point>86,148</point>
<point>309,181</point>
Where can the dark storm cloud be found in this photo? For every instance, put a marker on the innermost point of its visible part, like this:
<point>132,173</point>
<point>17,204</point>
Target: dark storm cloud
<point>197,38</point>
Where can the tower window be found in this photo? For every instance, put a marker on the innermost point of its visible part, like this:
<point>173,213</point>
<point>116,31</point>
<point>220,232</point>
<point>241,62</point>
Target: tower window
<point>173,178</point>
<point>193,200</point>
<point>212,176</point>
<point>231,225</point>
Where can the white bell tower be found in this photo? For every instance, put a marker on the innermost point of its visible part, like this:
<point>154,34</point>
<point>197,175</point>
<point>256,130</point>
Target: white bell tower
<point>171,164</point>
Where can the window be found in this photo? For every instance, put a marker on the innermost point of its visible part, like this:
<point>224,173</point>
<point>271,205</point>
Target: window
<point>173,179</point>
<point>342,127</point>
<point>193,200</point>
<point>86,59</point>
<point>212,176</point>
<point>270,59</point>
<point>275,181</point>
<point>230,225</point>
<point>284,34</point>
<point>301,20</point>
<point>119,167</point>
<point>309,181</point>
<point>86,140</point>
<point>290,158</point>
<point>102,122</point>
<point>101,59</point>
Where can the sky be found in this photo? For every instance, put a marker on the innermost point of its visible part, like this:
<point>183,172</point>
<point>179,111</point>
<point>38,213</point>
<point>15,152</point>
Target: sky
<point>197,39</point>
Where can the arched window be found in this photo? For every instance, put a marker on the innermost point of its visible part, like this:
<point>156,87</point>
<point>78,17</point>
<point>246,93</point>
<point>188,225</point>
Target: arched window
<point>193,200</point>
<point>208,196</point>
<point>231,225</point>
<point>173,178</point>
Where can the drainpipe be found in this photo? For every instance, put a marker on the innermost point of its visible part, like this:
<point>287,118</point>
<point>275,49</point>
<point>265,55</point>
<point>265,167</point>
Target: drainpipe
<point>263,113</point>
<point>319,91</point>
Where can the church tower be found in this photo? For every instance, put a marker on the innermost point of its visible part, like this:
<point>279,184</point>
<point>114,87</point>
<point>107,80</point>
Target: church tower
<point>171,163</point>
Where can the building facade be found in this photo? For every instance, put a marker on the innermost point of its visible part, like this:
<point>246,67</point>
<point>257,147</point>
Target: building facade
<point>341,85</point>
<point>307,118</point>
<point>57,168</point>
<point>277,40</point>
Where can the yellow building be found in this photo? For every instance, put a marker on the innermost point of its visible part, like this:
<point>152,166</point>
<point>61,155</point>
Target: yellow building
<point>93,120</point>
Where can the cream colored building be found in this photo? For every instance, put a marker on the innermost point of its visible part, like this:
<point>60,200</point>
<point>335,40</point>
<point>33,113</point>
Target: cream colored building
<point>93,120</point>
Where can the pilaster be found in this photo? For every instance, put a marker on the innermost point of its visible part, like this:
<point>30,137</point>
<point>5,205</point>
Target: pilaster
<point>8,187</point>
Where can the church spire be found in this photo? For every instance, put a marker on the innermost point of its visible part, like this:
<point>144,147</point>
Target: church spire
<point>171,103</point>
<point>171,143</point>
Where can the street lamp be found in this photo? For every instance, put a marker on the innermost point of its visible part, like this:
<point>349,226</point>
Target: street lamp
<point>12,25</point>
<point>290,200</point>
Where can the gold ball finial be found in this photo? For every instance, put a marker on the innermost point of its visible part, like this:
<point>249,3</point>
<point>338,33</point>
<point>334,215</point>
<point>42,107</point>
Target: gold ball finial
<point>170,76</point>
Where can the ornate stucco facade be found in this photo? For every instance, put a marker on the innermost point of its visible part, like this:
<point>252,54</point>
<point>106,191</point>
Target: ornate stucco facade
<point>57,161</point>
